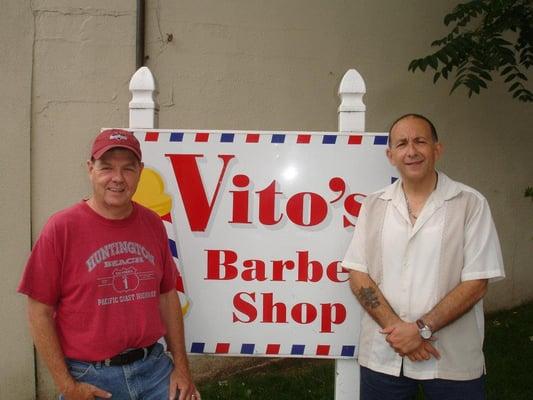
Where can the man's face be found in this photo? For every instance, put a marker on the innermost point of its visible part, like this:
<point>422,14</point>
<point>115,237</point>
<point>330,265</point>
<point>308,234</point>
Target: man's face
<point>114,178</point>
<point>412,149</point>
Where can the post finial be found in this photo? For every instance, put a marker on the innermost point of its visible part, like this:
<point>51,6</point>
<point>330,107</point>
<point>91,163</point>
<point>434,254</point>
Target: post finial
<point>352,109</point>
<point>143,107</point>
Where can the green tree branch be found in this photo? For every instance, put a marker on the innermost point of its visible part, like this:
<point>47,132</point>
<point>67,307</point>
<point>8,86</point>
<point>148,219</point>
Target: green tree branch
<point>488,37</point>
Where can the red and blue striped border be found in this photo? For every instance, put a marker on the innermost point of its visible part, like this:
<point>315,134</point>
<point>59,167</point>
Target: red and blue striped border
<point>254,137</point>
<point>272,349</point>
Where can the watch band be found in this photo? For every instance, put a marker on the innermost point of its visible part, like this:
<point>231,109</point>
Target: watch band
<point>423,329</point>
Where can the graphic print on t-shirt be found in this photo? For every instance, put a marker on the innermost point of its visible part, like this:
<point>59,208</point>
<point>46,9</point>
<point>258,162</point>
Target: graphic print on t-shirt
<point>122,272</point>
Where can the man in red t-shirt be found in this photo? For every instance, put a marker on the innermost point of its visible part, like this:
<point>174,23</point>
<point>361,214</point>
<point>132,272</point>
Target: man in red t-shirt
<point>100,284</point>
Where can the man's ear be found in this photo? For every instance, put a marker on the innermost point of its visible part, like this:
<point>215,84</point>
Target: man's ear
<point>439,150</point>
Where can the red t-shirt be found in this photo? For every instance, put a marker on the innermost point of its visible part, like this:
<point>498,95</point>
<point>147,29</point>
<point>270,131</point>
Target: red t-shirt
<point>103,277</point>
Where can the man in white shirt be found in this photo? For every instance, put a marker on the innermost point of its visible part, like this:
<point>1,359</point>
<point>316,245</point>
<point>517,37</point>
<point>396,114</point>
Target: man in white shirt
<point>422,254</point>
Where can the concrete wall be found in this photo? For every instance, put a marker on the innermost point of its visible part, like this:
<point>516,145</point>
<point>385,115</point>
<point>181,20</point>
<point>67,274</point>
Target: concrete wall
<point>239,64</point>
<point>83,58</point>
<point>16,39</point>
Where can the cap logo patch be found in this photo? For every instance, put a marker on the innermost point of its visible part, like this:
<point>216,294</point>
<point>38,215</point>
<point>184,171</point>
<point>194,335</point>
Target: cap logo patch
<point>118,136</point>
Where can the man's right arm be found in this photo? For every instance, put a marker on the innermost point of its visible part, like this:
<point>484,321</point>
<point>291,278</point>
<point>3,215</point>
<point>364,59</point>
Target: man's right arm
<point>43,330</point>
<point>376,305</point>
<point>371,299</point>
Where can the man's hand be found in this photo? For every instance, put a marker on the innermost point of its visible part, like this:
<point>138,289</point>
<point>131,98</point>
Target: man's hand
<point>184,384</point>
<point>180,377</point>
<point>403,337</point>
<point>424,352</point>
<point>84,391</point>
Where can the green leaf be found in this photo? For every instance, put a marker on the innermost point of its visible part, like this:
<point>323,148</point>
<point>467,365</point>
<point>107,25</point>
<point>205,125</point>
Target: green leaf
<point>510,78</point>
<point>433,62</point>
<point>457,83</point>
<point>449,18</point>
<point>436,77</point>
<point>413,65</point>
<point>514,86</point>
<point>485,75</point>
<point>442,57</point>
<point>506,70</point>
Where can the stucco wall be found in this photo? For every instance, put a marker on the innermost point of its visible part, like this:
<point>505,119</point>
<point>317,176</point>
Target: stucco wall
<point>239,64</point>
<point>83,59</point>
<point>16,33</point>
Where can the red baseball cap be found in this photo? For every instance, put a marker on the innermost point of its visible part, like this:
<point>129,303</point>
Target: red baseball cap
<point>112,138</point>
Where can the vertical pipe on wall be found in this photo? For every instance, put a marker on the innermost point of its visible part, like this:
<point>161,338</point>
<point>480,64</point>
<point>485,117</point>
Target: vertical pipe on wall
<point>139,35</point>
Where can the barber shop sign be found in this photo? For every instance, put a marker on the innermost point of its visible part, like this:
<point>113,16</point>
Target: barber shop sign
<point>258,223</point>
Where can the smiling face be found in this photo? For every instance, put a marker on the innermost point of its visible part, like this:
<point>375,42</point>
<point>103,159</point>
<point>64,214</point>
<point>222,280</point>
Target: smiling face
<point>114,178</point>
<point>413,150</point>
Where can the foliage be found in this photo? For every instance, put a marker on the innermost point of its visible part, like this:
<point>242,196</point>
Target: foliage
<point>509,353</point>
<point>488,37</point>
<point>529,192</point>
<point>286,380</point>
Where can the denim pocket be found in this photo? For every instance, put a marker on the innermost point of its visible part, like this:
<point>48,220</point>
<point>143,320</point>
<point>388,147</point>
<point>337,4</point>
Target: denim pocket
<point>157,352</point>
<point>78,369</point>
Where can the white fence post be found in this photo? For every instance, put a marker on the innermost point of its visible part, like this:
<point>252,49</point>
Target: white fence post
<point>143,108</point>
<point>351,119</point>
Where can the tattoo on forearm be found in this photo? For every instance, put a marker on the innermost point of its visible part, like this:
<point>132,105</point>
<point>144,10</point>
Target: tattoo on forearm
<point>368,297</point>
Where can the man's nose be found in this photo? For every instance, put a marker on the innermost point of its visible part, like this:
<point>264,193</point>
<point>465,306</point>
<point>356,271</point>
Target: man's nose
<point>118,176</point>
<point>411,149</point>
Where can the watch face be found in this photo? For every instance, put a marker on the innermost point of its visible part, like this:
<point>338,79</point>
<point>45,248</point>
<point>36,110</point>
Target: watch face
<point>425,333</point>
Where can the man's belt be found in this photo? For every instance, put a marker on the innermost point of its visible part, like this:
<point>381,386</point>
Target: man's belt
<point>127,357</point>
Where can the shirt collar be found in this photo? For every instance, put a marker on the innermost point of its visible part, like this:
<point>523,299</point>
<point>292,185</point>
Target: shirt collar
<point>446,189</point>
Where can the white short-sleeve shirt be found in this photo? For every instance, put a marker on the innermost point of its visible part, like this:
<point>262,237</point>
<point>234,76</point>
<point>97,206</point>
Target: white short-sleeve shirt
<point>416,273</point>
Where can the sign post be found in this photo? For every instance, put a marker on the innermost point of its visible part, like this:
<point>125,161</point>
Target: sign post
<point>351,119</point>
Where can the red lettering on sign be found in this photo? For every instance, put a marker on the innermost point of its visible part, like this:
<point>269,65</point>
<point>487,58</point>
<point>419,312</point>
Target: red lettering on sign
<point>219,268</point>
<point>316,207</point>
<point>255,271</point>
<point>240,200</point>
<point>197,206</point>
<point>304,209</point>
<point>244,307</point>
<point>304,313</point>
<point>352,207</point>
<point>328,314</point>
<point>269,307</point>
<point>335,269</point>
<point>267,205</point>
<point>328,319</point>
<point>308,271</point>
<point>225,265</point>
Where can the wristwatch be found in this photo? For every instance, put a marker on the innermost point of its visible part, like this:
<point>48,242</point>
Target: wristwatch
<point>423,329</point>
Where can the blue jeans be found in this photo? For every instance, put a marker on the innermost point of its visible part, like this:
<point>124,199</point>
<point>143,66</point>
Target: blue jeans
<point>378,386</point>
<point>146,379</point>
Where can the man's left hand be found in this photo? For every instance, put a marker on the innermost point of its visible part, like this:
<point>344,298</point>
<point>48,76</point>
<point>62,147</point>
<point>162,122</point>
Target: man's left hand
<point>424,352</point>
<point>403,337</point>
<point>184,384</point>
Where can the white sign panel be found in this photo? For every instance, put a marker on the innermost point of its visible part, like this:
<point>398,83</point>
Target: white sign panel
<point>260,222</point>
